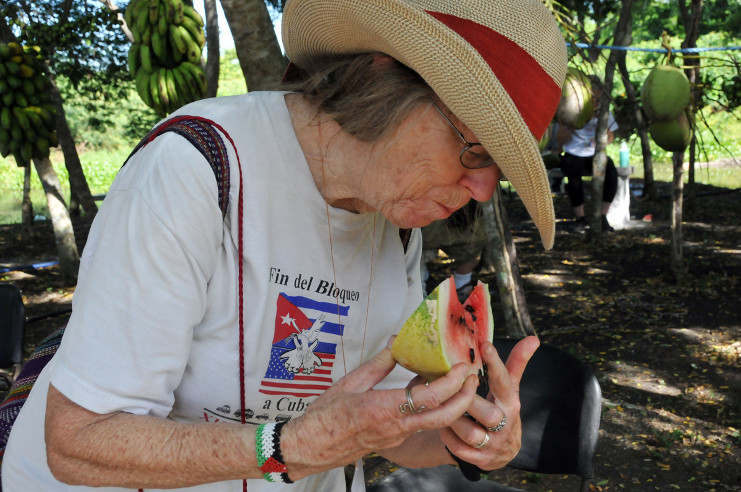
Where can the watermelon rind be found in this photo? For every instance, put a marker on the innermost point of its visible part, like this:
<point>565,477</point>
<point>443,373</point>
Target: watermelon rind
<point>418,346</point>
<point>441,332</point>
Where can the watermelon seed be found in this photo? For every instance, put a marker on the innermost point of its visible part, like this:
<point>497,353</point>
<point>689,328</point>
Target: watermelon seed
<point>471,310</point>
<point>472,354</point>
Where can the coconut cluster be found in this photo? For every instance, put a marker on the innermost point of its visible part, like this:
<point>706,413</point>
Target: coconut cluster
<point>576,107</point>
<point>665,97</point>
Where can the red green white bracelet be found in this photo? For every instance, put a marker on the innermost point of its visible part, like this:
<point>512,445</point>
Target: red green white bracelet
<point>269,457</point>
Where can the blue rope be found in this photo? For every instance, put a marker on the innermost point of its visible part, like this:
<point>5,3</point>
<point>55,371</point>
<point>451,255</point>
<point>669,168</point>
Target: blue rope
<point>654,50</point>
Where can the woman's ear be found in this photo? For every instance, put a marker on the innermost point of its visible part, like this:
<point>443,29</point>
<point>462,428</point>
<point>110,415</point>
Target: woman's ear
<point>381,60</point>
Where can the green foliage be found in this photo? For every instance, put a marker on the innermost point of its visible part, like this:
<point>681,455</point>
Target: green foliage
<point>231,79</point>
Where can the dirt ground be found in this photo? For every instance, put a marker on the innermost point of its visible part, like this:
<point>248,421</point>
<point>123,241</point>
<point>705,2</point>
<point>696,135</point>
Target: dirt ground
<point>667,354</point>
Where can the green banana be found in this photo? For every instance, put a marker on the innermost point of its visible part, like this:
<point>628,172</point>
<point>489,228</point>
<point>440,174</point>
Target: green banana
<point>26,150</point>
<point>172,91</point>
<point>162,87</point>
<point>179,7</point>
<point>142,19</point>
<point>199,77</point>
<point>129,14</point>
<point>4,135</point>
<point>170,10</point>
<point>147,35</point>
<point>36,122</point>
<point>4,149</point>
<point>43,145</point>
<point>189,11</point>
<point>153,12</point>
<point>142,87</point>
<point>16,47</point>
<point>5,52</point>
<point>39,82</point>
<point>155,93</point>
<point>4,87</point>
<point>177,40</point>
<point>3,70</point>
<point>20,100</point>
<point>13,67</point>
<point>159,46</point>
<point>26,72</point>
<point>5,117</point>
<point>134,58</point>
<point>21,118</point>
<point>53,138</point>
<point>146,58</point>
<point>162,24</point>
<point>183,85</point>
<point>195,32</point>
<point>28,88</point>
<point>193,52</point>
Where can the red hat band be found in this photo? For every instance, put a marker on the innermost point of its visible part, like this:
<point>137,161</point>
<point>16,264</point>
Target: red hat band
<point>535,94</point>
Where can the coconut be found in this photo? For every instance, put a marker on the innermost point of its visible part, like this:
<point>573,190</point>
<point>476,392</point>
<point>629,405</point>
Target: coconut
<point>672,134</point>
<point>576,107</point>
<point>665,93</point>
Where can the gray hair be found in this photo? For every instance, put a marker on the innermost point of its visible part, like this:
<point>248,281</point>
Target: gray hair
<point>367,99</point>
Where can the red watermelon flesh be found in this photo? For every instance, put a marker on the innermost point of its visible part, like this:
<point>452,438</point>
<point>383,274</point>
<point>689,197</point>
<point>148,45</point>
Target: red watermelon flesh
<point>443,332</point>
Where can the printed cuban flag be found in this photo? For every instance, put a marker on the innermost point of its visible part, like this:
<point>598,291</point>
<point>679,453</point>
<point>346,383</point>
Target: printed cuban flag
<point>304,347</point>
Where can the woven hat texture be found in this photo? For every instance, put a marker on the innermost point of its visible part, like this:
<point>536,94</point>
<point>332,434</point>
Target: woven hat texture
<point>497,64</point>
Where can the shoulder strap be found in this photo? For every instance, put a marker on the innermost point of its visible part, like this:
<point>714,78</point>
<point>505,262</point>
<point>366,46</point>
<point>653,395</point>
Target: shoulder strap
<point>203,135</point>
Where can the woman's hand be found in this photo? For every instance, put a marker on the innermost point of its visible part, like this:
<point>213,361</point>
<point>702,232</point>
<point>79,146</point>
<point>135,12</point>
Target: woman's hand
<point>351,419</point>
<point>470,440</point>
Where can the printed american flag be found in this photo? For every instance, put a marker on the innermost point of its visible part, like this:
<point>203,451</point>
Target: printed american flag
<point>294,315</point>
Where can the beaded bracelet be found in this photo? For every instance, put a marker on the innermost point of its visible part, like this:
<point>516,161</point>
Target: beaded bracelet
<point>269,457</point>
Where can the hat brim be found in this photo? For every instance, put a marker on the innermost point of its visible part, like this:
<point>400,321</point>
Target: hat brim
<point>456,72</point>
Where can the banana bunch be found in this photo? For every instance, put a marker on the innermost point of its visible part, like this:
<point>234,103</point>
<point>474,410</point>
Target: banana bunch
<point>165,58</point>
<point>26,114</point>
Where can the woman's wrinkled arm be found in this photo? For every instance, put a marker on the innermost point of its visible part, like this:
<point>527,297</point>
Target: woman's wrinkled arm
<point>348,421</point>
<point>125,450</point>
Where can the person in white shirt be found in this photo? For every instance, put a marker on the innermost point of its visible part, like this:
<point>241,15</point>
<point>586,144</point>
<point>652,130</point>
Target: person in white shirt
<point>577,159</point>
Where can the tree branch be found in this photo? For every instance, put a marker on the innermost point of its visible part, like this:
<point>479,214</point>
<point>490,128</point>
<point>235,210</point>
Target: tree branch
<point>124,27</point>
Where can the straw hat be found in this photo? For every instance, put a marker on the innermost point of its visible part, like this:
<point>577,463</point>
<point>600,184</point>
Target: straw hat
<point>497,64</point>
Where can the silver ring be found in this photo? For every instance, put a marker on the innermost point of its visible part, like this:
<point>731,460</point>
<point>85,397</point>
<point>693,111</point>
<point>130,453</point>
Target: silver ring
<point>484,442</point>
<point>409,405</point>
<point>499,426</point>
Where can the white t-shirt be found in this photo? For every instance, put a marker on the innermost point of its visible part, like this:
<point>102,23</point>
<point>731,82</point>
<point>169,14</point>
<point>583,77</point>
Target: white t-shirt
<point>154,328</point>
<point>582,142</point>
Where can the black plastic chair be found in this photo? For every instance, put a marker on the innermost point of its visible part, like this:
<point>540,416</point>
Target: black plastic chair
<point>561,405</point>
<point>12,319</point>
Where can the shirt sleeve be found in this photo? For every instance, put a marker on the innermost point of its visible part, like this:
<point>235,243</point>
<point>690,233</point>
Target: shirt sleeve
<point>142,283</point>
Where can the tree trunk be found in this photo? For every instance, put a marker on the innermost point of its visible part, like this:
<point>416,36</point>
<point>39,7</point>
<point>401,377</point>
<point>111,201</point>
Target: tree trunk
<point>257,47</point>
<point>622,37</point>
<point>649,187</point>
<point>691,20</point>
<point>213,51</point>
<point>26,205</point>
<point>503,256</point>
<point>125,28</point>
<point>64,234</point>
<point>678,266</point>
<point>77,182</point>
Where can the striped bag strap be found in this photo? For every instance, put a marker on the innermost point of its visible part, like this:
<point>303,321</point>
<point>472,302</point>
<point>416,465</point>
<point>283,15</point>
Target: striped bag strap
<point>204,135</point>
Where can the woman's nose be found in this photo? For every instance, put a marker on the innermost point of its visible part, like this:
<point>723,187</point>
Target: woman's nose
<point>481,182</point>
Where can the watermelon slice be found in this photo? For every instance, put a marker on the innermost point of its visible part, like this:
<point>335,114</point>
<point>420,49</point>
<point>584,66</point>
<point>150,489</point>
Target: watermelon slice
<point>443,332</point>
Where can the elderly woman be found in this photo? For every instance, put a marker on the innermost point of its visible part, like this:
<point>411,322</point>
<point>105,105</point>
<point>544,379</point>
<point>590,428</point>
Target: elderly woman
<point>226,318</point>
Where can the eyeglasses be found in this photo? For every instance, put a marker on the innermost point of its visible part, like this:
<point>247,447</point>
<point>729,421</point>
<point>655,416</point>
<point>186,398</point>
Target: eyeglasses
<point>469,158</point>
